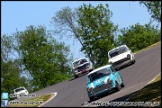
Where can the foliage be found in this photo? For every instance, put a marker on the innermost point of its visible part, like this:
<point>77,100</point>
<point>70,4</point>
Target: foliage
<point>33,52</point>
<point>92,27</point>
<point>154,7</point>
<point>10,72</point>
<point>44,58</point>
<point>96,31</point>
<point>139,36</point>
<point>65,22</point>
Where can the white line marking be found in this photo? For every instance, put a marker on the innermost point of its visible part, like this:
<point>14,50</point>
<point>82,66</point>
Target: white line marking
<point>153,79</point>
<point>54,94</point>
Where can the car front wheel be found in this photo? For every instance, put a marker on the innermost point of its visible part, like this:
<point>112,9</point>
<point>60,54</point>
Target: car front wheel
<point>133,61</point>
<point>76,76</point>
<point>91,98</point>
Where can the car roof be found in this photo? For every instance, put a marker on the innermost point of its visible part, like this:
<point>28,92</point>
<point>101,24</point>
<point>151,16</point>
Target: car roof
<point>102,67</point>
<point>79,59</point>
<point>117,47</point>
<point>20,87</point>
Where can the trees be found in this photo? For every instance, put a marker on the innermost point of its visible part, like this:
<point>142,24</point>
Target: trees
<point>92,27</point>
<point>96,31</point>
<point>139,36</point>
<point>154,7</point>
<point>44,58</point>
<point>10,71</point>
<point>37,54</point>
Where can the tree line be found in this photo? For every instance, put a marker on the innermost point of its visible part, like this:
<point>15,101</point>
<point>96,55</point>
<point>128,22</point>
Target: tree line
<point>35,52</point>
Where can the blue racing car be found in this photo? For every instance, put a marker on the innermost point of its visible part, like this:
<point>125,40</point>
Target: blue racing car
<point>102,80</point>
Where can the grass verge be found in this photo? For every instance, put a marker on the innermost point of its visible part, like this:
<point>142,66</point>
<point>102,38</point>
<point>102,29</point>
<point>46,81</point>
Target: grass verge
<point>157,43</point>
<point>150,93</point>
<point>33,102</point>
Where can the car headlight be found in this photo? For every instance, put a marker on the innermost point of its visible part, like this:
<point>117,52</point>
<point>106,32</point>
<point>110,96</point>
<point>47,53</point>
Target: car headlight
<point>128,56</point>
<point>89,89</point>
<point>109,80</point>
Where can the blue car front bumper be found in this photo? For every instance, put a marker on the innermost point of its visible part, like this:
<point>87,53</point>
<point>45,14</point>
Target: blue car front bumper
<point>99,91</point>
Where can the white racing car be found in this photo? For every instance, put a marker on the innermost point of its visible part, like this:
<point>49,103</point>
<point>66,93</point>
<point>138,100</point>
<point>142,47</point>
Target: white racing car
<point>121,56</point>
<point>81,66</point>
<point>20,91</point>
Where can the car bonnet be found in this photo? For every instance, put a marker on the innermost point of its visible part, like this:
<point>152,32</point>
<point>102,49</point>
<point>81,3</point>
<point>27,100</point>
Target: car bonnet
<point>119,57</point>
<point>98,82</point>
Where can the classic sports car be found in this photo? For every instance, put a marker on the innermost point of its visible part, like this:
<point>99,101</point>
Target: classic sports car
<point>121,56</point>
<point>81,66</point>
<point>102,80</point>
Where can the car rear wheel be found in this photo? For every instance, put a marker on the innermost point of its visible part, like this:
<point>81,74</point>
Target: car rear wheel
<point>118,87</point>
<point>122,85</point>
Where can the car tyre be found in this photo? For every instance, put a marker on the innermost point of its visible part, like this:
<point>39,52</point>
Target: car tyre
<point>133,61</point>
<point>118,87</point>
<point>117,69</point>
<point>91,98</point>
<point>76,76</point>
<point>122,85</point>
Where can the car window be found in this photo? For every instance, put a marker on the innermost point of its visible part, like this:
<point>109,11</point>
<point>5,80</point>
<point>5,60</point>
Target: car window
<point>113,69</point>
<point>19,89</point>
<point>79,62</point>
<point>113,53</point>
<point>88,80</point>
<point>99,74</point>
<point>122,49</point>
<point>118,51</point>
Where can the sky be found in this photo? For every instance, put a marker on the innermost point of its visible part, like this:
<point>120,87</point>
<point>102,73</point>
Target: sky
<point>20,14</point>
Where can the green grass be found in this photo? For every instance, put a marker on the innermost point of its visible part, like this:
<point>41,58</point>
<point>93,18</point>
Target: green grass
<point>150,93</point>
<point>39,99</point>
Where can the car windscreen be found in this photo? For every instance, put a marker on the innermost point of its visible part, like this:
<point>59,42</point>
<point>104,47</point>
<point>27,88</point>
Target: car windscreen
<point>19,89</point>
<point>99,74</point>
<point>118,51</point>
<point>79,62</point>
<point>113,53</point>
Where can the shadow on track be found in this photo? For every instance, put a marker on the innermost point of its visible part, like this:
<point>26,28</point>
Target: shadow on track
<point>125,66</point>
<point>72,79</point>
<point>78,76</point>
<point>120,99</point>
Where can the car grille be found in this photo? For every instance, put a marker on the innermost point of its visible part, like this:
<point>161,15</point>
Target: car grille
<point>120,61</point>
<point>102,87</point>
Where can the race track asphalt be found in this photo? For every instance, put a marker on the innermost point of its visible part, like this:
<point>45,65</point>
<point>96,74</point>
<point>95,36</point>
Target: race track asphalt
<point>73,92</point>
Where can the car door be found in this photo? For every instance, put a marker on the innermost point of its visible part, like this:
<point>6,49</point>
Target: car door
<point>116,74</point>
